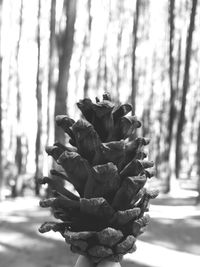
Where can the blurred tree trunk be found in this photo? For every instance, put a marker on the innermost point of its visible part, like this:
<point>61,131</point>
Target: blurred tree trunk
<point>146,120</point>
<point>105,76</point>
<point>178,65</point>
<point>18,154</point>
<point>38,152</point>
<point>118,73</point>
<point>160,165</point>
<point>181,121</point>
<point>198,164</point>
<point>65,54</point>
<point>135,40</point>
<point>193,132</point>
<point>99,72</point>
<point>174,183</point>
<point>106,71</point>
<point>87,50</point>
<point>167,170</point>
<point>1,130</point>
<point>171,75</point>
<point>120,10</point>
<point>51,75</point>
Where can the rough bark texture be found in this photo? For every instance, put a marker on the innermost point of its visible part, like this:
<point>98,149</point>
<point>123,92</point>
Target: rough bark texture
<point>64,64</point>
<point>135,40</point>
<point>185,86</point>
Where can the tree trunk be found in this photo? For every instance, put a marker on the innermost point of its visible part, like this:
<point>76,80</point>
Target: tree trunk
<point>181,121</point>
<point>66,50</point>
<point>18,154</point>
<point>172,110</point>
<point>120,10</point>
<point>178,65</point>
<point>99,71</point>
<point>193,132</point>
<point>171,74</point>
<point>1,130</point>
<point>135,40</point>
<point>38,159</point>
<point>87,51</point>
<point>118,74</point>
<point>51,75</point>
<point>198,164</point>
<point>105,73</point>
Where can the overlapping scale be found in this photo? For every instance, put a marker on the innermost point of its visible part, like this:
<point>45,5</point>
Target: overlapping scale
<point>105,164</point>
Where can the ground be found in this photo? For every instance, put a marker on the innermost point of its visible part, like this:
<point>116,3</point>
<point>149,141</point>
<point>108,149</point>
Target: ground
<point>172,238</point>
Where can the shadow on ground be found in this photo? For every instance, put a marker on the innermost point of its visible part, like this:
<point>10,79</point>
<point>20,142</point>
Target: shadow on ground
<point>172,201</point>
<point>175,225</point>
<point>21,245</point>
<point>127,263</point>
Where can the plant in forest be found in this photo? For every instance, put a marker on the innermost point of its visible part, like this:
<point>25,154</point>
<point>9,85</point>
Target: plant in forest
<point>105,164</point>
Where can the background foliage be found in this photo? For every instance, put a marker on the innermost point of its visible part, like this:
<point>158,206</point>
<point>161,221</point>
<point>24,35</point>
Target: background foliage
<point>52,53</point>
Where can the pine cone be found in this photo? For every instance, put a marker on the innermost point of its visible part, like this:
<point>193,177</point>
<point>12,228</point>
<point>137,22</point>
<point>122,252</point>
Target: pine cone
<point>105,164</point>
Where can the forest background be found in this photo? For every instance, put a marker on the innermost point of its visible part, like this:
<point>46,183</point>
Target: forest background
<point>53,53</point>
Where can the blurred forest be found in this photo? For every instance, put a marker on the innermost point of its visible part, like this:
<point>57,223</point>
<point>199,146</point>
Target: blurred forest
<point>53,53</point>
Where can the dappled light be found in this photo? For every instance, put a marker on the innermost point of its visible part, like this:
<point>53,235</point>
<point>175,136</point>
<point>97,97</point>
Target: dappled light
<point>171,235</point>
<point>22,245</point>
<point>159,256</point>
<point>174,212</point>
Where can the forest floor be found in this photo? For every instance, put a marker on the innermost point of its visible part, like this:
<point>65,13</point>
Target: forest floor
<point>172,238</point>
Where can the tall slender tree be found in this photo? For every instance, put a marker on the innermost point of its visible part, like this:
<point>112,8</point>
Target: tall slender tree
<point>178,64</point>
<point>51,74</point>
<point>185,86</point>
<point>105,67</point>
<point>19,154</point>
<point>135,41</point>
<point>1,129</point>
<point>198,164</point>
<point>87,50</point>
<point>38,162</point>
<point>99,72</point>
<point>171,73</point>
<point>120,10</point>
<point>65,54</point>
<point>167,170</point>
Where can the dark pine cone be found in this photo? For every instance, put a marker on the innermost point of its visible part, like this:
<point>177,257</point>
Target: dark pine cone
<point>105,164</point>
